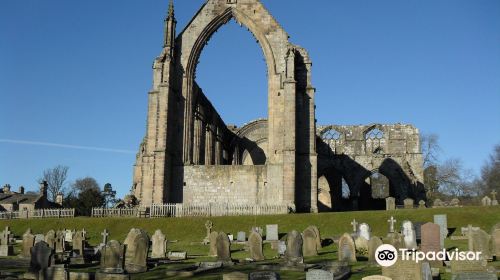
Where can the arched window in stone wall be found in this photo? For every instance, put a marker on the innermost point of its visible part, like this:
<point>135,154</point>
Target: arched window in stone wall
<point>332,138</point>
<point>346,191</point>
<point>374,139</point>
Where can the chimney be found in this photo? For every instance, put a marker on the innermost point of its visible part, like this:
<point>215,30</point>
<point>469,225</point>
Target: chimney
<point>43,188</point>
<point>59,199</point>
<point>6,188</point>
<point>21,190</point>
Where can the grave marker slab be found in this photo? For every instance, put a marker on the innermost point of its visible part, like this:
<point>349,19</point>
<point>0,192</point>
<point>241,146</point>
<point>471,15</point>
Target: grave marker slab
<point>272,233</point>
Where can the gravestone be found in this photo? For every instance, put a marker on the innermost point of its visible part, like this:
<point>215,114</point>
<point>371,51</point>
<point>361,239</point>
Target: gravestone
<point>437,203</point>
<point>264,275</point>
<point>376,277</point>
<point>272,233</point>
<point>241,237</point>
<point>421,204</point>
<point>479,241</point>
<point>467,266</point>
<point>39,237</point>
<point>361,245</point>
<point>495,236</point>
<point>404,270</point>
<point>213,244</point>
<point>390,203</point>
<point>136,251</point>
<point>177,256</point>
<point>104,235</point>
<point>392,223</point>
<point>159,244</point>
<point>442,221</point>
<point>318,236</point>
<point>486,201</point>
<point>294,243</point>
<point>259,230</point>
<point>364,231</point>
<point>309,246</point>
<point>396,240</point>
<point>41,256</point>
<point>319,274</point>
<point>235,276</point>
<point>408,232</point>
<point>78,244</point>
<point>208,225</point>
<point>28,243</point>
<point>60,245</point>
<point>255,246</point>
<point>373,244</point>
<point>50,239</point>
<point>354,225</point>
<point>112,258</point>
<point>68,235</point>
<point>223,248</point>
<point>347,250</point>
<point>455,202</point>
<point>281,248</point>
<point>231,237</point>
<point>430,238</point>
<point>6,247</point>
<point>408,203</point>
<point>418,231</point>
<point>494,201</point>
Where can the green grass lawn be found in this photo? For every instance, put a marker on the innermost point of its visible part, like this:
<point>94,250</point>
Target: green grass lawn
<point>187,231</point>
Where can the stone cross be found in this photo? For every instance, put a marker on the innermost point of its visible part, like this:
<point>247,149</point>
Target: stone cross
<point>105,235</point>
<point>391,221</point>
<point>494,195</point>
<point>5,235</point>
<point>84,234</point>
<point>354,225</point>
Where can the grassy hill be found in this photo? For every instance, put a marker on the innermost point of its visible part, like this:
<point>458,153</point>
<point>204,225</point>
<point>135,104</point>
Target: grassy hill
<point>187,231</point>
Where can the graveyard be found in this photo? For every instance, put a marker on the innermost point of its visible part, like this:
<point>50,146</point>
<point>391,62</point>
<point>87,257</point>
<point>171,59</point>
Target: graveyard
<point>189,248</point>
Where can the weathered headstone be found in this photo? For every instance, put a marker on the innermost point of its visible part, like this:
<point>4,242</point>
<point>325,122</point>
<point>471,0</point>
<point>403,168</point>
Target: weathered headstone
<point>347,250</point>
<point>6,247</point>
<point>442,221</point>
<point>479,241</point>
<point>376,277</point>
<point>28,243</point>
<point>421,204</point>
<point>105,235</point>
<point>176,256</point>
<point>404,270</point>
<point>364,231</point>
<point>223,248</point>
<point>396,239</point>
<point>272,233</point>
<point>264,275</point>
<point>78,244</point>
<point>408,203</point>
<point>486,201</point>
<point>241,237</point>
<point>213,243</point>
<point>208,225</point>
<point>41,256</point>
<point>495,236</point>
<point>437,203</point>
<point>361,245</point>
<point>39,238</point>
<point>309,242</point>
<point>50,239</point>
<point>318,236</point>
<point>390,203</point>
<point>392,223</point>
<point>112,257</point>
<point>159,244</point>
<point>430,238</point>
<point>235,276</point>
<point>373,244</point>
<point>60,245</point>
<point>469,269</point>
<point>281,248</point>
<point>455,202</point>
<point>68,235</point>
<point>294,254</point>
<point>319,274</point>
<point>255,246</point>
<point>136,251</point>
<point>408,232</point>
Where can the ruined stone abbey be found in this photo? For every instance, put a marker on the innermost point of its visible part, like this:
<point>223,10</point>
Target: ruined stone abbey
<point>189,155</point>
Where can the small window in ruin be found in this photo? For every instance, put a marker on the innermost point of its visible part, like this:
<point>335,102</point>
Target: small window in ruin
<point>346,191</point>
<point>375,134</point>
<point>331,134</point>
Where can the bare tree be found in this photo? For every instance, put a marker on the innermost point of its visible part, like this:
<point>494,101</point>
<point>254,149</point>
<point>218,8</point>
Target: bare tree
<point>429,144</point>
<point>55,178</point>
<point>453,179</point>
<point>490,172</point>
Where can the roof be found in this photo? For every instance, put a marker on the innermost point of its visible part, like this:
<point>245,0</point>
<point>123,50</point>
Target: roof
<point>18,198</point>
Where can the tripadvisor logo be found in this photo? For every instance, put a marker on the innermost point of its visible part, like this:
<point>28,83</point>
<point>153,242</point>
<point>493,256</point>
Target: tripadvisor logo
<point>386,255</point>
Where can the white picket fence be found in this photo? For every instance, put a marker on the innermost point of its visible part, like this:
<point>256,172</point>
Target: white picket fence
<point>39,213</point>
<point>215,210</point>
<point>115,212</point>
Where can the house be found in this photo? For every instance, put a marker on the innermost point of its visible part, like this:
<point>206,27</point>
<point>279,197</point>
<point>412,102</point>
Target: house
<point>16,201</point>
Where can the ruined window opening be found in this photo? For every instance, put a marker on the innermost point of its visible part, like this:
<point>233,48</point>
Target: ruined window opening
<point>375,134</point>
<point>332,139</point>
<point>346,191</point>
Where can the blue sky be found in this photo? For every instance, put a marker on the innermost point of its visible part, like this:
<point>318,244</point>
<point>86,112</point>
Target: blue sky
<point>77,73</point>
